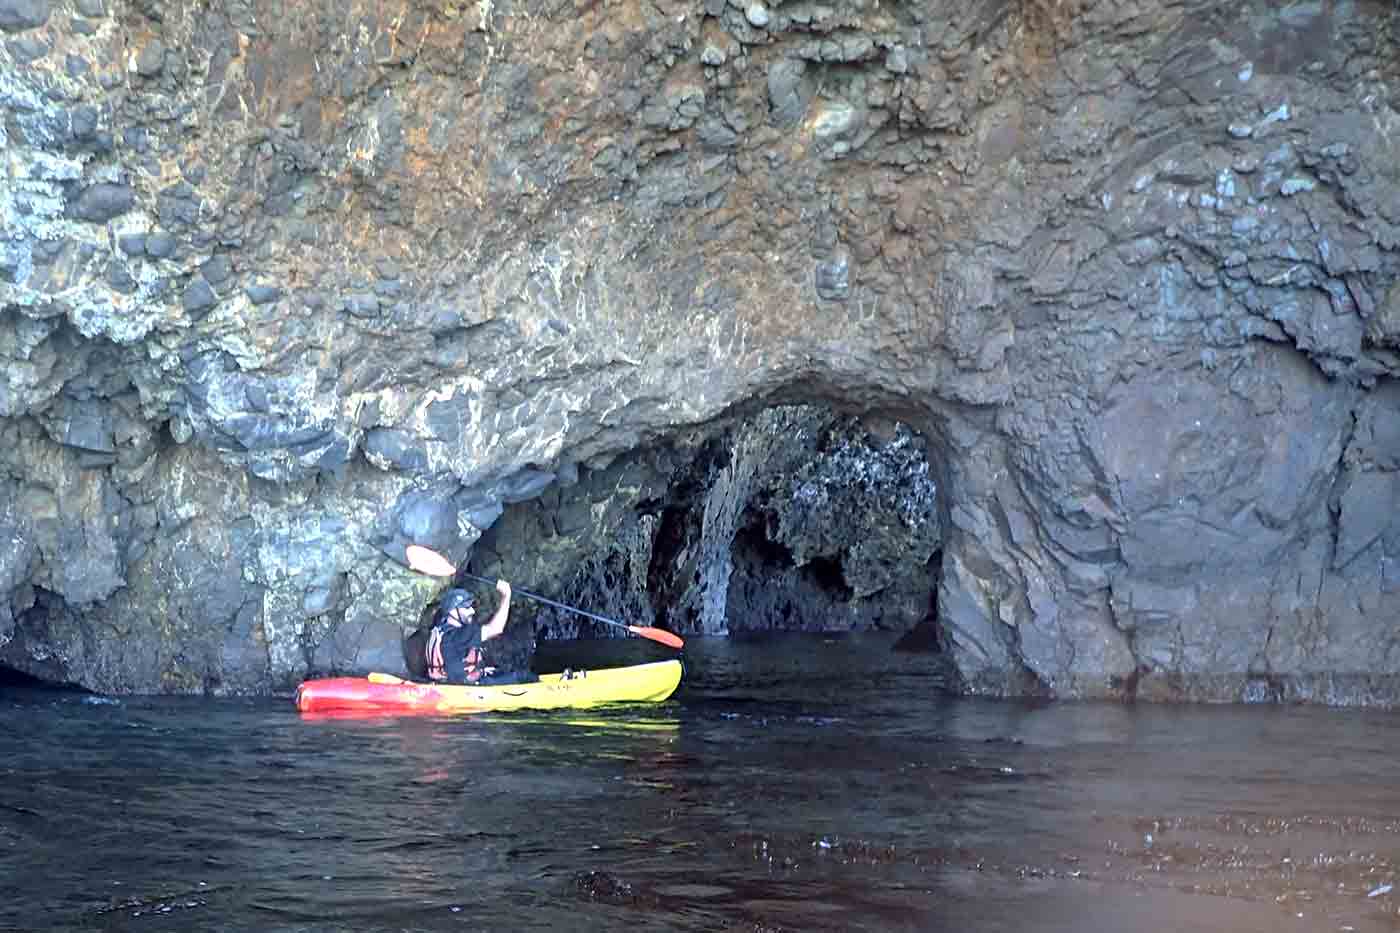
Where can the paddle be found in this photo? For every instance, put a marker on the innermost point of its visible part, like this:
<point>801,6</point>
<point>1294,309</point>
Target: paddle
<point>428,561</point>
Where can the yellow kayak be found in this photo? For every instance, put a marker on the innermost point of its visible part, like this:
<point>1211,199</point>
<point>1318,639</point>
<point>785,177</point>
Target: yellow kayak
<point>385,693</point>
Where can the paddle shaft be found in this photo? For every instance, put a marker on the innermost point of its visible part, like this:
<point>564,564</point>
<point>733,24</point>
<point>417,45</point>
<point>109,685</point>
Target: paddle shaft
<point>426,560</point>
<point>549,602</point>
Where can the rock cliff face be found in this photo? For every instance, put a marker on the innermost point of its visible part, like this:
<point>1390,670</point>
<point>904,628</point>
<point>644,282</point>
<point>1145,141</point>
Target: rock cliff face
<point>286,286</point>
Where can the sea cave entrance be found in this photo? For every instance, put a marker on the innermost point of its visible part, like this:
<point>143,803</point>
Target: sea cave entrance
<point>14,678</point>
<point>795,518</point>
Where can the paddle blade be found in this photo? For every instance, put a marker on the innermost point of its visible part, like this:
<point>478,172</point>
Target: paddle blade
<point>377,678</point>
<point>426,560</point>
<point>656,634</point>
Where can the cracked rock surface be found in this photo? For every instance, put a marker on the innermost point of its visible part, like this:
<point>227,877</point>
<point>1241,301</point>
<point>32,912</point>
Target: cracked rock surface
<point>286,286</point>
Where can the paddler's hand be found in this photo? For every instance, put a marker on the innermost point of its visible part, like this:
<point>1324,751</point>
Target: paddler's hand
<point>503,588</point>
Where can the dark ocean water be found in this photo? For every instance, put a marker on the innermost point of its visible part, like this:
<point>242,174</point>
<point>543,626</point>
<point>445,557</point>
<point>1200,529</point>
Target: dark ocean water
<point>792,784</point>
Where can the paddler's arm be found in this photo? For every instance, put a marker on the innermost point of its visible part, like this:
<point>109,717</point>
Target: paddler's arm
<point>497,625</point>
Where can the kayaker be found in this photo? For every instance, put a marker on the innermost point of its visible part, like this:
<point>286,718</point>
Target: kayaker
<point>452,650</point>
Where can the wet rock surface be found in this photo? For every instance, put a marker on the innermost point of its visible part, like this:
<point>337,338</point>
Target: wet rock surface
<point>285,288</point>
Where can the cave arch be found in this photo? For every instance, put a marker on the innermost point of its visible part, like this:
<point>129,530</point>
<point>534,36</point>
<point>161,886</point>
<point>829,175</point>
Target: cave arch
<point>15,678</point>
<point>785,518</point>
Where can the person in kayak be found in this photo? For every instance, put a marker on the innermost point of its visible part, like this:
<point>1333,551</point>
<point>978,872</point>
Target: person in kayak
<point>452,650</point>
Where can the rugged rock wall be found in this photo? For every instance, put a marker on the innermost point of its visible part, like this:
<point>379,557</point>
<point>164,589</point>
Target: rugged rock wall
<point>284,286</point>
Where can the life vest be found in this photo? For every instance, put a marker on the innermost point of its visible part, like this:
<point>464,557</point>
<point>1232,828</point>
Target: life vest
<point>473,665</point>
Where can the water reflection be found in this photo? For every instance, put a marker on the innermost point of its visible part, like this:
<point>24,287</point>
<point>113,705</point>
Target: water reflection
<point>786,787</point>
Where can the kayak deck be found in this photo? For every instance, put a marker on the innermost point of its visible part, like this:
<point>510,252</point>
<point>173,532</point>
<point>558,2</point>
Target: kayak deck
<point>639,683</point>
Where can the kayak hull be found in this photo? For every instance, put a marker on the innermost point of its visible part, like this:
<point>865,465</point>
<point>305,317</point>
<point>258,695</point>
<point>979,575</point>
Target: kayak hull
<point>385,693</point>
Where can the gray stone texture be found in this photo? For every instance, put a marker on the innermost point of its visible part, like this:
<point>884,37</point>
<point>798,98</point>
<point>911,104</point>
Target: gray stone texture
<point>103,201</point>
<point>1128,270</point>
<point>20,15</point>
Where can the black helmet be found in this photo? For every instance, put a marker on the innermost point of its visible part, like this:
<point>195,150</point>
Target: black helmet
<point>456,598</point>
